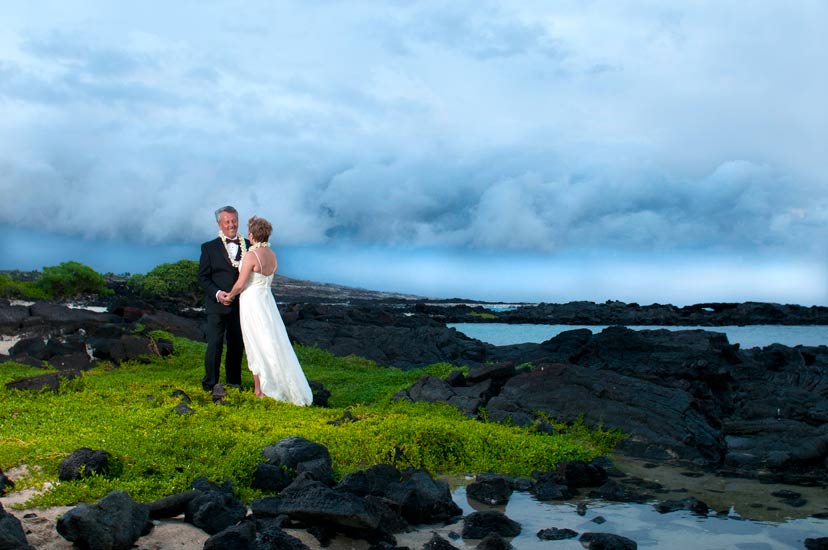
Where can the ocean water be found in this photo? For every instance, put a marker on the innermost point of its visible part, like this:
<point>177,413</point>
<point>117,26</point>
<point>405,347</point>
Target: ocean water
<point>751,336</point>
<point>725,530</point>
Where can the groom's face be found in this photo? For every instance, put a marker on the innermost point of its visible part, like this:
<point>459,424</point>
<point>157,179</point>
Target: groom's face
<point>228,224</point>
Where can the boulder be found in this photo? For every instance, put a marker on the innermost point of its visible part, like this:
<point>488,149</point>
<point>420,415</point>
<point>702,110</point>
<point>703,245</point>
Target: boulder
<point>664,422</point>
<point>422,499</point>
<point>50,381</point>
<point>616,492</point>
<point>274,538</point>
<point>313,503</point>
<point>71,362</point>
<point>183,409</point>
<point>270,479</point>
<point>553,533</point>
<point>238,537</point>
<point>12,317</point>
<point>84,462</point>
<point>494,490</point>
<point>816,543</point>
<point>294,451</point>
<point>212,511</point>
<point>114,523</point>
<point>371,481</point>
<point>64,319</point>
<point>12,536</point>
<point>493,541</point>
<point>131,347</point>
<point>6,484</point>
<point>577,473</point>
<point>606,541</point>
<point>478,525</point>
<point>549,489</point>
<point>174,324</point>
<point>171,506</point>
<point>320,394</point>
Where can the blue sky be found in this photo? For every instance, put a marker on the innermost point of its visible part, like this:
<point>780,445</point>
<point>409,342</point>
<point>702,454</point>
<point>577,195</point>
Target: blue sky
<point>536,151</point>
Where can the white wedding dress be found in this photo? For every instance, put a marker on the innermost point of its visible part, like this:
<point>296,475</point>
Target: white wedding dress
<point>269,353</point>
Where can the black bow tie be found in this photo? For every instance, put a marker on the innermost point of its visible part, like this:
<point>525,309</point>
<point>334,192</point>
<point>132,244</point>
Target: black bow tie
<point>234,241</point>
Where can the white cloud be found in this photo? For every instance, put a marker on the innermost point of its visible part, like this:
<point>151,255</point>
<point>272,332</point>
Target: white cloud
<point>489,125</point>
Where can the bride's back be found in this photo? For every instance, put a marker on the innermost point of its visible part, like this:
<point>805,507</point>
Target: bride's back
<point>267,261</point>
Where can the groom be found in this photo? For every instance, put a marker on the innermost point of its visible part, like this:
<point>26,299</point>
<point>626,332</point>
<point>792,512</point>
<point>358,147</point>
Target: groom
<point>217,273</point>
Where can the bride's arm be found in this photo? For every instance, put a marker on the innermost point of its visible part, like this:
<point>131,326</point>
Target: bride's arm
<point>244,274</point>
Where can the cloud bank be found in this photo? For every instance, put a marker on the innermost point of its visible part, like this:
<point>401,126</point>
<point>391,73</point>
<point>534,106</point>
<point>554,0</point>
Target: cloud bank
<point>479,125</point>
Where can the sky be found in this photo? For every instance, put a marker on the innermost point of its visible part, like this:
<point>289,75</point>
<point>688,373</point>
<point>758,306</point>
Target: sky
<point>643,151</point>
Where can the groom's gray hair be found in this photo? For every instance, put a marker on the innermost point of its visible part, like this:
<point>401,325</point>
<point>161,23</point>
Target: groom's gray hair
<point>228,209</point>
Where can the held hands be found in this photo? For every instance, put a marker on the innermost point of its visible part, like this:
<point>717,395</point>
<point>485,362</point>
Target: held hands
<point>225,298</point>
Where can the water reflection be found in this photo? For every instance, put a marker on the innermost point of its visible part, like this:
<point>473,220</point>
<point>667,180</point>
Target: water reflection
<point>745,515</point>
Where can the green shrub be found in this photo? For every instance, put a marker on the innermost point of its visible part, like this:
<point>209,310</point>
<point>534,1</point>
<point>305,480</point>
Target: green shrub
<point>21,290</point>
<point>177,282</point>
<point>71,279</point>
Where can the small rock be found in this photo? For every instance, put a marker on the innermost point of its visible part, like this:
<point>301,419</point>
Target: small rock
<point>607,541</point>
<point>554,533</point>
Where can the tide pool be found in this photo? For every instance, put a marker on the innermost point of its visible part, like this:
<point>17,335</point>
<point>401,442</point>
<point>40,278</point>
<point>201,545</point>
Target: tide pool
<point>503,334</point>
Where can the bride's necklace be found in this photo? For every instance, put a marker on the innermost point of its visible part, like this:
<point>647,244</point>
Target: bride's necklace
<point>261,245</point>
<point>242,245</point>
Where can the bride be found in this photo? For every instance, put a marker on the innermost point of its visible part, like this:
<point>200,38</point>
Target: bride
<point>270,356</point>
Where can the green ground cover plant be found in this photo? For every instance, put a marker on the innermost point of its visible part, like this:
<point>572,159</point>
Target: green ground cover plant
<point>483,315</point>
<point>177,282</point>
<point>129,412</point>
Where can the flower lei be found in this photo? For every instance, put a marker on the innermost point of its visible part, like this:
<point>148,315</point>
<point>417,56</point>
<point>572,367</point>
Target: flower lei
<point>261,245</point>
<point>242,245</point>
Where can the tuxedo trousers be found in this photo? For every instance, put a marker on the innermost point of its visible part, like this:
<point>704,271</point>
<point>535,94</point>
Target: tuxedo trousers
<point>223,327</point>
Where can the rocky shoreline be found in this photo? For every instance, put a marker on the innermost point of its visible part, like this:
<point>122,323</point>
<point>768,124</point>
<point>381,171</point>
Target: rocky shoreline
<point>620,313</point>
<point>686,397</point>
<point>681,395</point>
<point>378,508</point>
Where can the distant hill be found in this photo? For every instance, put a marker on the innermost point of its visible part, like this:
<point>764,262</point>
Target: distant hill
<point>289,290</point>
<point>286,289</point>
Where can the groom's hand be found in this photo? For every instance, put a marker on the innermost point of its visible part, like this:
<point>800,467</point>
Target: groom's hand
<point>222,297</point>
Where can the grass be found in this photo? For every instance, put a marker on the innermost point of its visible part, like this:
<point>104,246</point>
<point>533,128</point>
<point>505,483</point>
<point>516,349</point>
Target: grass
<point>483,315</point>
<point>129,412</point>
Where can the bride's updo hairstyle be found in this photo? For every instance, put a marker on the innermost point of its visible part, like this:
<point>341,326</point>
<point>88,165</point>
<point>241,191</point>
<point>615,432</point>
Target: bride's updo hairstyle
<point>260,228</point>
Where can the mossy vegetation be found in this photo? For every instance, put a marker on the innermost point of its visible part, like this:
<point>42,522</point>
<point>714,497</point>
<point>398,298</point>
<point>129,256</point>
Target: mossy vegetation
<point>482,315</point>
<point>129,412</point>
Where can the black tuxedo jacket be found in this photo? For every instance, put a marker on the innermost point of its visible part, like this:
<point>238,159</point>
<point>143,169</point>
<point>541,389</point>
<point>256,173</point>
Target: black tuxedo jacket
<point>215,272</point>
